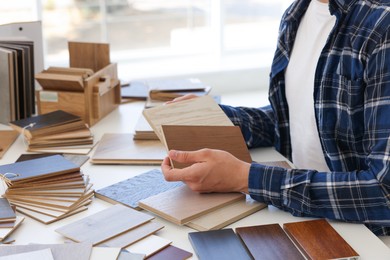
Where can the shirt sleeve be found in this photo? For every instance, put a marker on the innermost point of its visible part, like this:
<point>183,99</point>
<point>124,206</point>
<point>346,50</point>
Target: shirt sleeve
<point>354,196</point>
<point>256,124</point>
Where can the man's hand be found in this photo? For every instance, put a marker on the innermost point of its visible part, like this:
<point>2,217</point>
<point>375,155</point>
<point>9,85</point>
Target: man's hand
<point>211,171</point>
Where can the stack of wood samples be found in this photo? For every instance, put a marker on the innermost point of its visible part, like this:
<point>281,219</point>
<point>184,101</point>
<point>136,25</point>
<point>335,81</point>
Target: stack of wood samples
<point>116,226</point>
<point>143,130</point>
<point>317,239</point>
<point>123,149</point>
<point>198,111</point>
<point>8,220</point>
<point>54,132</point>
<point>47,189</point>
<point>17,84</point>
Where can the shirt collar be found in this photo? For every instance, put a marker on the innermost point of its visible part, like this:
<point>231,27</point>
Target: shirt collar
<point>340,5</point>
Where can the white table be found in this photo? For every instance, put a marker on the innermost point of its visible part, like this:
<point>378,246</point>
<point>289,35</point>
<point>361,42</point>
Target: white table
<point>122,120</point>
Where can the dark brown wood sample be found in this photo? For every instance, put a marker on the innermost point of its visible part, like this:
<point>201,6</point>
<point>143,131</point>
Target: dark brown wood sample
<point>191,138</point>
<point>317,239</point>
<point>268,242</point>
<point>89,55</point>
<point>170,253</point>
<point>218,244</point>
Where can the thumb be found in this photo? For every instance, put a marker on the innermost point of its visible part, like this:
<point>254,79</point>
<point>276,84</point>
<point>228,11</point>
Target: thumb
<point>185,156</point>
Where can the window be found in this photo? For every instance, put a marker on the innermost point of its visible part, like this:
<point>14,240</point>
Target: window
<point>140,30</point>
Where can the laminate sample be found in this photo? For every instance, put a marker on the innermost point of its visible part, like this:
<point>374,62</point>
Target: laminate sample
<point>268,242</point>
<point>94,56</point>
<point>181,205</point>
<point>79,251</point>
<point>123,149</point>
<point>75,158</point>
<point>42,254</point>
<point>191,138</point>
<point>317,239</point>
<point>129,192</point>
<point>8,137</point>
<point>227,215</point>
<point>198,111</point>
<point>5,232</point>
<point>130,237</point>
<point>104,225</point>
<point>6,211</point>
<point>149,245</point>
<point>170,253</point>
<point>104,253</point>
<point>218,244</point>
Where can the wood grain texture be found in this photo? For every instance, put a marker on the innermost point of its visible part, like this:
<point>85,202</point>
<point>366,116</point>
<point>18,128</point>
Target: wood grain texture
<point>104,224</point>
<point>8,137</point>
<point>268,242</point>
<point>130,237</point>
<point>129,192</point>
<point>192,138</point>
<point>317,239</point>
<point>122,149</point>
<point>94,56</point>
<point>218,244</point>
<point>60,82</point>
<point>181,205</point>
<point>79,251</point>
<point>171,253</point>
<point>197,111</point>
<point>227,215</point>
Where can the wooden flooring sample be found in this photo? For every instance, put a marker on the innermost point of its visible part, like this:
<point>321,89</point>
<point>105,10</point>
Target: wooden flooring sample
<point>104,225</point>
<point>129,192</point>
<point>79,251</point>
<point>122,149</point>
<point>181,205</point>
<point>218,244</point>
<point>227,215</point>
<point>149,245</point>
<point>94,56</point>
<point>317,239</point>
<point>268,242</point>
<point>5,232</point>
<point>104,253</point>
<point>197,111</point>
<point>133,235</point>
<point>8,137</point>
<point>191,138</point>
<point>171,253</point>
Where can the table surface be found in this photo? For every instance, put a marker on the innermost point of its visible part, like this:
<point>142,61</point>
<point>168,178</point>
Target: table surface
<point>122,120</point>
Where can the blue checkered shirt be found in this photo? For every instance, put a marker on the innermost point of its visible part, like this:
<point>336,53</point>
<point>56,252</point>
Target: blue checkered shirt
<point>352,109</point>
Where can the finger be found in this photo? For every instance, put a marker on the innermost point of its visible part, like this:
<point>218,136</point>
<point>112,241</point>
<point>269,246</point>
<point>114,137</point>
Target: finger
<point>185,156</point>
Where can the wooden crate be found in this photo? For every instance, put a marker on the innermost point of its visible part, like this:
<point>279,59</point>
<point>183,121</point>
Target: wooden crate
<point>100,96</point>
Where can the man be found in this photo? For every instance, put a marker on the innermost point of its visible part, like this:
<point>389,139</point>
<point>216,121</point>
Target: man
<point>330,106</point>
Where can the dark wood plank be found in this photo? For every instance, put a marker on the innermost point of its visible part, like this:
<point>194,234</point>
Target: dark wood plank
<point>218,244</point>
<point>191,138</point>
<point>170,253</point>
<point>268,242</point>
<point>317,239</point>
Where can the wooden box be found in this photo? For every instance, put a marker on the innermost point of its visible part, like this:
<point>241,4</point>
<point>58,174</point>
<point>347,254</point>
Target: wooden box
<point>99,95</point>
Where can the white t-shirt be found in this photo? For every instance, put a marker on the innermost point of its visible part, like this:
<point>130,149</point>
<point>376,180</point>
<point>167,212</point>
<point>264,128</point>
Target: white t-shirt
<point>311,37</point>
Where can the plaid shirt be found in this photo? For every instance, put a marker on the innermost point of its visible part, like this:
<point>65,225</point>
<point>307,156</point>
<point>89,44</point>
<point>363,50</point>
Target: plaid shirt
<point>352,109</point>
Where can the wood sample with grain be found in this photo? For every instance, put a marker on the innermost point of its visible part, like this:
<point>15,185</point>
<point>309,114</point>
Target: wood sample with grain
<point>317,239</point>
<point>104,225</point>
<point>218,244</point>
<point>268,242</point>
<point>181,205</point>
<point>8,137</point>
<point>171,253</point>
<point>129,192</point>
<point>197,111</point>
<point>191,138</point>
<point>122,149</point>
<point>227,215</point>
<point>94,56</point>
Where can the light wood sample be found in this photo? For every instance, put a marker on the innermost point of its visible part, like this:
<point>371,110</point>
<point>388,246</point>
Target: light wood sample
<point>104,225</point>
<point>122,149</point>
<point>229,214</point>
<point>317,239</point>
<point>218,244</point>
<point>268,242</point>
<point>197,111</point>
<point>8,137</point>
<point>104,253</point>
<point>181,205</point>
<point>149,245</point>
<point>191,138</point>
